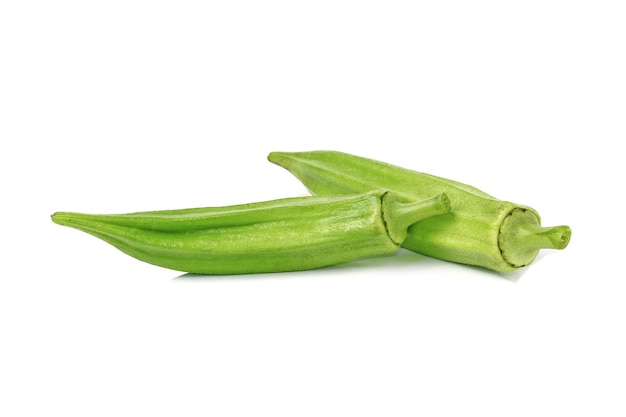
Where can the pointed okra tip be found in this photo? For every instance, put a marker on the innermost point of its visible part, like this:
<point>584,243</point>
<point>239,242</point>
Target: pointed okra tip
<point>278,158</point>
<point>288,159</point>
<point>65,218</point>
<point>57,217</point>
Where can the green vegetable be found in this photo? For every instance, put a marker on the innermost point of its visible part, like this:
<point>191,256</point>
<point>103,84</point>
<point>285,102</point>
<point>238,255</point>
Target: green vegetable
<point>272,236</point>
<point>480,230</point>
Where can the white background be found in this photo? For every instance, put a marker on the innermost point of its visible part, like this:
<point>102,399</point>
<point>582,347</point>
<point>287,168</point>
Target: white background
<point>121,106</point>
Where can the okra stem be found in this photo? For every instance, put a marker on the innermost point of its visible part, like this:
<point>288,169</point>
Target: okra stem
<point>536,237</point>
<point>406,214</point>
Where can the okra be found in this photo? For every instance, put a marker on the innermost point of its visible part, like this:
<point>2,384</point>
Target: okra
<point>290,234</point>
<point>481,230</point>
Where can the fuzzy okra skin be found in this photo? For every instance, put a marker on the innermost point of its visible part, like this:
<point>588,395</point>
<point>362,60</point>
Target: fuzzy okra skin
<point>290,234</point>
<point>480,230</point>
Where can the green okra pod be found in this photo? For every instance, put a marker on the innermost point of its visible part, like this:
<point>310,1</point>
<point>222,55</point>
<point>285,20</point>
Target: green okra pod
<point>481,230</point>
<point>290,234</point>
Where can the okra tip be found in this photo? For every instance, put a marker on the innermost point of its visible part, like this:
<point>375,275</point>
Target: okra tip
<point>272,155</point>
<point>62,217</point>
<point>55,217</point>
<point>279,158</point>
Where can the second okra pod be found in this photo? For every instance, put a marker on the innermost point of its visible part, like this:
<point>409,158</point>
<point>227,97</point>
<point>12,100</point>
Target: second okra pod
<point>481,230</point>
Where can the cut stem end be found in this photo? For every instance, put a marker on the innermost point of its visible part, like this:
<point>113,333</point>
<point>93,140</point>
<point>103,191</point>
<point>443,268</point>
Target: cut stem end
<point>522,237</point>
